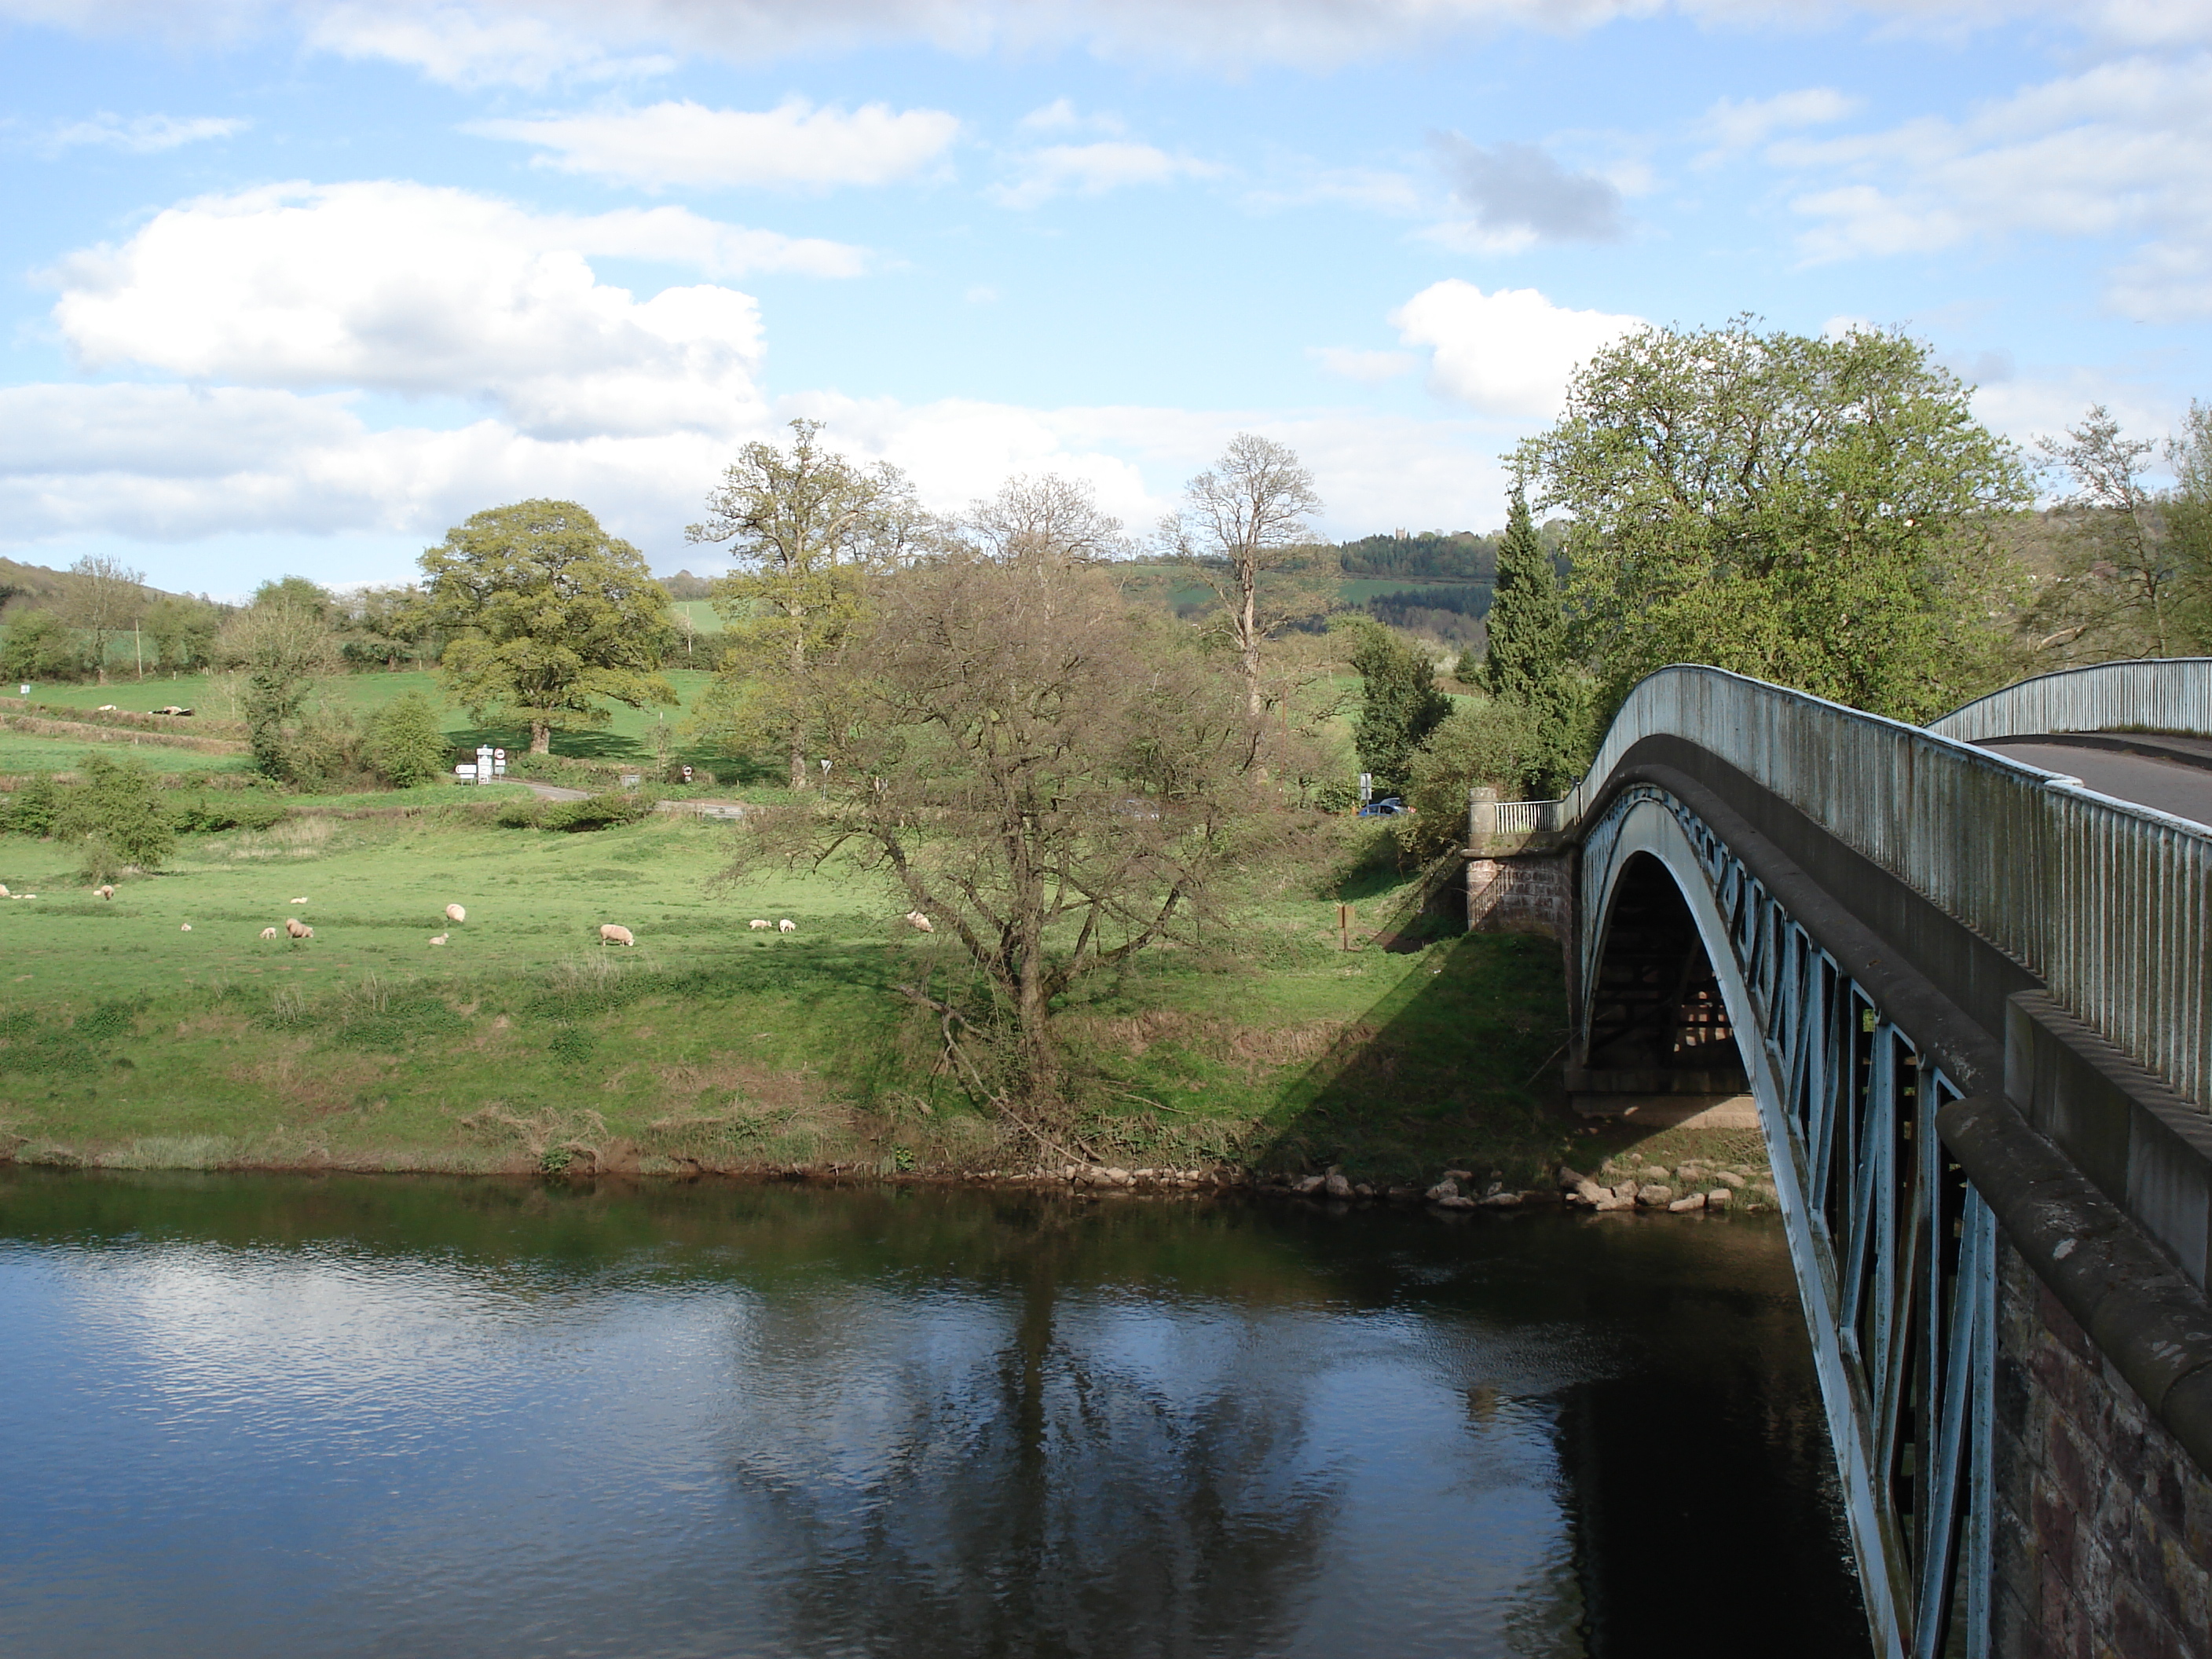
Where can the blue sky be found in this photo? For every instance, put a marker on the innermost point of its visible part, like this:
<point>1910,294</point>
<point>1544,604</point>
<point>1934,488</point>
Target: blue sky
<point>294,285</point>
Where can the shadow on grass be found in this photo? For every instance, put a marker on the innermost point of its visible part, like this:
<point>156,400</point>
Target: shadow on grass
<point>1456,1066</point>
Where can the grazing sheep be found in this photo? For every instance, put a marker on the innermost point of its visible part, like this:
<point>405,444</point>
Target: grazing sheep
<point>297,928</point>
<point>440,938</point>
<point>787,925</point>
<point>299,901</point>
<point>756,924</point>
<point>107,708</point>
<point>104,891</point>
<point>919,922</point>
<point>611,934</point>
<point>4,893</point>
<point>455,913</point>
<point>269,932</point>
<point>186,928</point>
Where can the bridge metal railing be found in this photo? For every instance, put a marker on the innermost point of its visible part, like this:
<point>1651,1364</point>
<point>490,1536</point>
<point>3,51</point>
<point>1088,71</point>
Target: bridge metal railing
<point>2103,901</point>
<point>1529,817</point>
<point>2159,694</point>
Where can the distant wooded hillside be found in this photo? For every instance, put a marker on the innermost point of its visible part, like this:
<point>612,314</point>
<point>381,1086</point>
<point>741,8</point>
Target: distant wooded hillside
<point>1432,555</point>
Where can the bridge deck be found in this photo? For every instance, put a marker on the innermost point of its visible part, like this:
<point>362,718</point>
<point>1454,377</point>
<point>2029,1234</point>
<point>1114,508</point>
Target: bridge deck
<point>2166,782</point>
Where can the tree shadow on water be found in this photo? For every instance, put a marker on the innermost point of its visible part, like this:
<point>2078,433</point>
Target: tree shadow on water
<point>1458,1065</point>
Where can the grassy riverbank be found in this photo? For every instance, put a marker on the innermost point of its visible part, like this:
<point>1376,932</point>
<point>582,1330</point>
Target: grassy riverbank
<point>130,1041</point>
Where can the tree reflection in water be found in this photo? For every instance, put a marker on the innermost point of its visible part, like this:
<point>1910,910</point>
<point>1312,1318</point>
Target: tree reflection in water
<point>1005,1472</point>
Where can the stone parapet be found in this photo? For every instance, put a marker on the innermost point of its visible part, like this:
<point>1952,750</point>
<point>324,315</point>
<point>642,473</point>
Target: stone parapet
<point>2102,1542</point>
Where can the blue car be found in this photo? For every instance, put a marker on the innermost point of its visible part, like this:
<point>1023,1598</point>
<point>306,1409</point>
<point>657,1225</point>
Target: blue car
<point>1389,807</point>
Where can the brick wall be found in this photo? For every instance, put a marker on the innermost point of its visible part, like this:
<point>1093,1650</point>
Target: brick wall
<point>2103,1540</point>
<point>1527,895</point>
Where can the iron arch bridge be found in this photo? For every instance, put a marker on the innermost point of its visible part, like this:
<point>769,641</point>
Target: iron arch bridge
<point>1972,1001</point>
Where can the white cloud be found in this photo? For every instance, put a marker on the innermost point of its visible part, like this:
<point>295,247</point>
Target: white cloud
<point>530,42</point>
<point>2122,150</point>
<point>141,135</point>
<point>793,146</point>
<point>1736,124</point>
<point>463,46</point>
<point>1377,190</point>
<point>407,289</point>
<point>1093,170</point>
<point>1368,368</point>
<point>1061,116</point>
<point>173,467</point>
<point>1509,352</point>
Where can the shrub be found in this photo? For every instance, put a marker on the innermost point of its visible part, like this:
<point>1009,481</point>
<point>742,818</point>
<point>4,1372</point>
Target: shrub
<point>520,815</point>
<point>1488,744</point>
<point>406,744</point>
<point>598,811</point>
<point>33,809</point>
<point>246,810</point>
<point>119,807</point>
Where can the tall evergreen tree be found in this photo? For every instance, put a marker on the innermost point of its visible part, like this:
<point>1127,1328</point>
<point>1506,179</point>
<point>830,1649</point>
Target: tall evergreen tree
<point>1529,661</point>
<point>1399,706</point>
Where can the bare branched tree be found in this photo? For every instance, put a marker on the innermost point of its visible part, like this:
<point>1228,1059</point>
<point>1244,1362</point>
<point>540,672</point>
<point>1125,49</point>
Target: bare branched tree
<point>1249,516</point>
<point>1047,519</point>
<point>1054,781</point>
<point>2117,587</point>
<point>104,600</point>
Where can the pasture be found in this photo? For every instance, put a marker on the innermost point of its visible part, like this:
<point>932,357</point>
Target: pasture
<point>522,1044</point>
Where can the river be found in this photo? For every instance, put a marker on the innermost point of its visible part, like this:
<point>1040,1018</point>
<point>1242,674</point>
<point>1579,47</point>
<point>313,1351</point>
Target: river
<point>291,1416</point>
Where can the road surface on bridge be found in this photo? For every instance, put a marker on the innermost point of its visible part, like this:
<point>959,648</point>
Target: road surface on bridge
<point>2177,779</point>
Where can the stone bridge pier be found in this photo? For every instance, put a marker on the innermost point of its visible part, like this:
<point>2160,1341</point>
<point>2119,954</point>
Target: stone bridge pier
<point>1968,1001</point>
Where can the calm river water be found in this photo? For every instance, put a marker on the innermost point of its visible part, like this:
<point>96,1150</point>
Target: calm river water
<point>261,1415</point>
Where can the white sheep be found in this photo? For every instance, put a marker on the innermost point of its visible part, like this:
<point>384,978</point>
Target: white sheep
<point>787,925</point>
<point>104,891</point>
<point>186,928</point>
<point>269,932</point>
<point>611,934</point>
<point>297,928</point>
<point>756,924</point>
<point>299,901</point>
<point>919,922</point>
<point>455,913</point>
<point>440,938</point>
<point>4,893</point>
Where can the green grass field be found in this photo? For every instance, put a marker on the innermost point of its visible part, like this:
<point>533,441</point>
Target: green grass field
<point>632,737</point>
<point>521,1043</point>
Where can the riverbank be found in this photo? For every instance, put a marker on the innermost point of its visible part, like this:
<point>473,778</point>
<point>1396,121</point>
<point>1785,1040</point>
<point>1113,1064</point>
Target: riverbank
<point>161,1030</point>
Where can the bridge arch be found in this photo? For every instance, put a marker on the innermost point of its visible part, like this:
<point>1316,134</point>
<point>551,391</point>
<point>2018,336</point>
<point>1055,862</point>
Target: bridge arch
<point>1892,1251</point>
<point>1974,1002</point>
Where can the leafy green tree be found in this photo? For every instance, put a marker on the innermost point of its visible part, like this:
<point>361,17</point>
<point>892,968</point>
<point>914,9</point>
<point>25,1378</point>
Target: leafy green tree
<point>547,615</point>
<point>1530,661</point>
<point>808,527</point>
<point>406,744</point>
<point>183,631</point>
<point>1400,705</point>
<point>41,645</point>
<point>1820,512</point>
<point>282,644</point>
<point>382,627</point>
